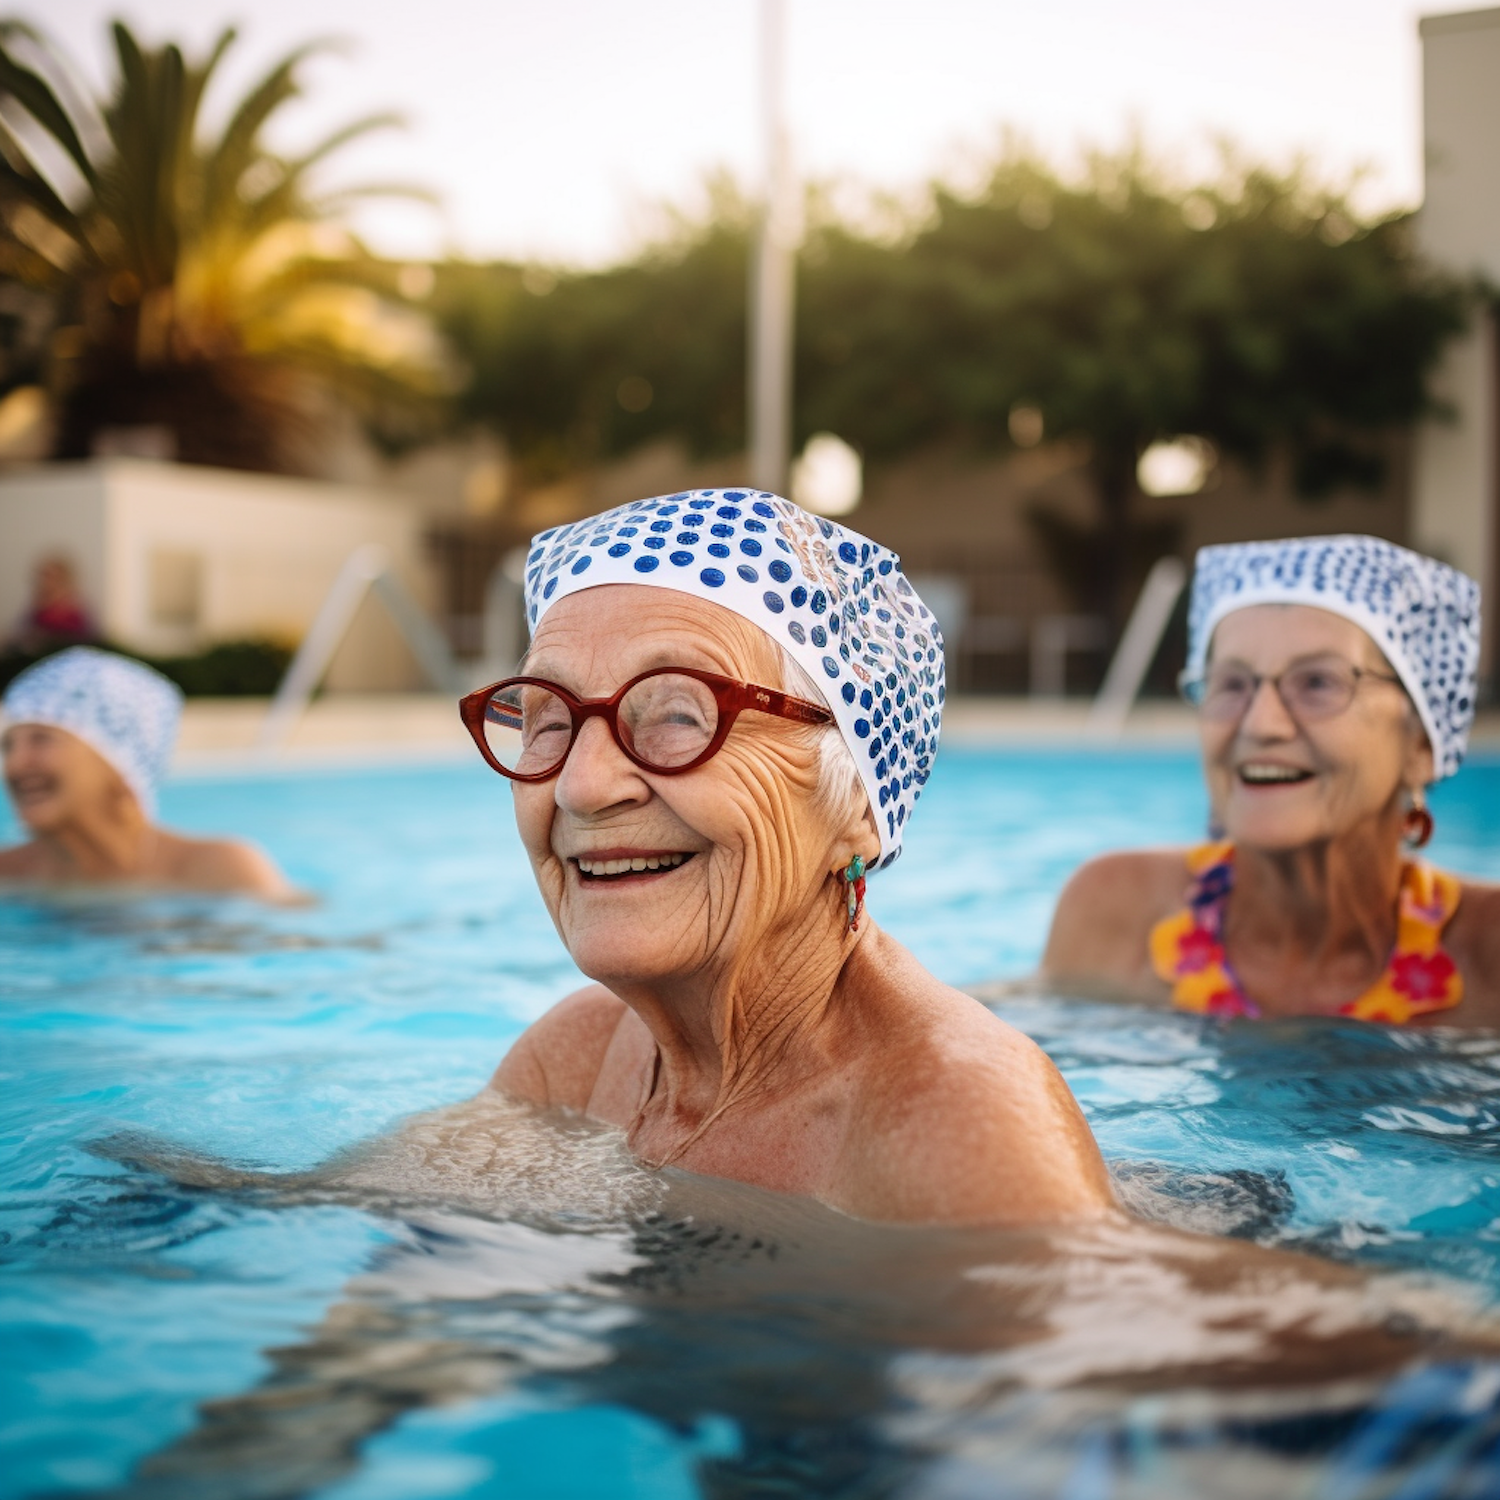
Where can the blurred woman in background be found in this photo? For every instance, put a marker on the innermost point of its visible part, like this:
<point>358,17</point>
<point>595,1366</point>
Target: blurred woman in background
<point>1334,679</point>
<point>87,737</point>
<point>57,614</point>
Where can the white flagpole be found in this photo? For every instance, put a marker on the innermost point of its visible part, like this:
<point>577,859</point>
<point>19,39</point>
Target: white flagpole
<point>773,271</point>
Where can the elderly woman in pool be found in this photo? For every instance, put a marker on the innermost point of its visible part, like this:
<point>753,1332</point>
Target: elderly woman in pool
<point>1335,679</point>
<point>699,815</point>
<point>85,736</point>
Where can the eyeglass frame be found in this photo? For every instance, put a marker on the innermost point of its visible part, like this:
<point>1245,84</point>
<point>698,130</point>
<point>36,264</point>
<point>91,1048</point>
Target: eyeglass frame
<point>731,696</point>
<point>1188,680</point>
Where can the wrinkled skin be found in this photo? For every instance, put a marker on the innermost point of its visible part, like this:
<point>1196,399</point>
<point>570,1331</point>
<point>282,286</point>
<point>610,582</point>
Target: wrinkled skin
<point>87,828</point>
<point>736,1028</point>
<point>1318,861</point>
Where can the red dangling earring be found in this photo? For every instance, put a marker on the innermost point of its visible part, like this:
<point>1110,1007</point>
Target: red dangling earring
<point>1416,830</point>
<point>854,886</point>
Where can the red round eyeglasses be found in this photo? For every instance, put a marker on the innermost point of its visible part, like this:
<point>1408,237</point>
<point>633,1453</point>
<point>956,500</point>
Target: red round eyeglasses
<point>666,721</point>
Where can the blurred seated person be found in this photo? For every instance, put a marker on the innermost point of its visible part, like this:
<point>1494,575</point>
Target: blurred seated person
<point>87,736</point>
<point>57,615</point>
<point>1334,679</point>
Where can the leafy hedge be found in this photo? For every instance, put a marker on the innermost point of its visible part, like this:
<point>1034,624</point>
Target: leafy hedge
<point>231,669</point>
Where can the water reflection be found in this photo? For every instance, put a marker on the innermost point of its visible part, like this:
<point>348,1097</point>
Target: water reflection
<point>785,1349</point>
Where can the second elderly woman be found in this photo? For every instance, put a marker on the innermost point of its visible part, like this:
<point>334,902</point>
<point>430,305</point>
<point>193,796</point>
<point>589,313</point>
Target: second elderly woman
<point>1334,679</point>
<point>726,715</point>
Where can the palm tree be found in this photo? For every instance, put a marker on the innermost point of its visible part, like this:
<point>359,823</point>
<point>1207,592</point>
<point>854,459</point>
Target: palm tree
<point>198,284</point>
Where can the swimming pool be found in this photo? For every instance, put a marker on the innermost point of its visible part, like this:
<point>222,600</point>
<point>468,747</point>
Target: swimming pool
<point>584,1333</point>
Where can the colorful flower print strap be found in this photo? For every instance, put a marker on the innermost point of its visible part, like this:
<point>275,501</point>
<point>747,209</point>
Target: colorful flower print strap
<point>1187,950</point>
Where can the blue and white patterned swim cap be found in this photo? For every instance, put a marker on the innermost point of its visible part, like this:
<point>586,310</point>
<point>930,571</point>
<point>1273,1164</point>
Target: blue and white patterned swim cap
<point>837,602</point>
<point>1422,614</point>
<point>124,710</point>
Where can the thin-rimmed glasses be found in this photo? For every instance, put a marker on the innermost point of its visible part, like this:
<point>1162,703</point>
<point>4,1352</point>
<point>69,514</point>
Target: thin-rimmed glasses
<point>667,721</point>
<point>1311,690</point>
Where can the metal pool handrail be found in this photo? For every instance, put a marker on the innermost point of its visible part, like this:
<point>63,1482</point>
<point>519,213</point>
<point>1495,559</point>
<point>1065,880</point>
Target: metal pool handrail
<point>367,568</point>
<point>1132,659</point>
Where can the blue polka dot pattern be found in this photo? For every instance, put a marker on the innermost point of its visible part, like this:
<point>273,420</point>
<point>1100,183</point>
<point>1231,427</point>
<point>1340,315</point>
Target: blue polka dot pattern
<point>842,609</point>
<point>124,710</point>
<point>1422,614</point>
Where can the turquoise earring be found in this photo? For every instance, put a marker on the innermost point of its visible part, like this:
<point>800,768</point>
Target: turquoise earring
<point>854,886</point>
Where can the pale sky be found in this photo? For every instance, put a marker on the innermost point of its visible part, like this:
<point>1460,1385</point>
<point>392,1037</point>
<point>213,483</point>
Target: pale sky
<point>550,128</point>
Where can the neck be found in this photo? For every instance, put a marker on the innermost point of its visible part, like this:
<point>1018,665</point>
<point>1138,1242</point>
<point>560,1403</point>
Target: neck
<point>1333,899</point>
<point>742,1030</point>
<point>113,843</point>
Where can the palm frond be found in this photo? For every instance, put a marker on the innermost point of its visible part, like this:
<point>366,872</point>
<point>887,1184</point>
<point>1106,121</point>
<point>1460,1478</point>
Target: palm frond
<point>238,147</point>
<point>385,120</point>
<point>37,97</point>
<point>333,204</point>
<point>19,179</point>
<point>207,285</point>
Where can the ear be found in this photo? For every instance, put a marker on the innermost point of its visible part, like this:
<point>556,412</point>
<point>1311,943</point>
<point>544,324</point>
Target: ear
<point>1419,767</point>
<point>859,835</point>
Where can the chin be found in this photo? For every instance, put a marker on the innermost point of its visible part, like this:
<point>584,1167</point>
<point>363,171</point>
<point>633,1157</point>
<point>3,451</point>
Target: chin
<point>1274,834</point>
<point>609,954</point>
<point>39,820</point>
<point>615,972</point>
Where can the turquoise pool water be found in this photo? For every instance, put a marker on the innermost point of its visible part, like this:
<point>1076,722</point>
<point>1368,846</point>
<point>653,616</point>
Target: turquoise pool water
<point>568,1333</point>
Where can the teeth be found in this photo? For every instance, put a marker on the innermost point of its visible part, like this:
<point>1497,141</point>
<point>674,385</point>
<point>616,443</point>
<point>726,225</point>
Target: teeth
<point>1271,774</point>
<point>630,866</point>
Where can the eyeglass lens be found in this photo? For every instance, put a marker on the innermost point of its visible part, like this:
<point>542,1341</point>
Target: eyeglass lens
<point>1310,690</point>
<point>666,720</point>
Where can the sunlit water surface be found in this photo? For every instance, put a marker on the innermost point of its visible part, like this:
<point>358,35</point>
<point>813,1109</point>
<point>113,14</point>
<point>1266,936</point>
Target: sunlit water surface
<point>449,1317</point>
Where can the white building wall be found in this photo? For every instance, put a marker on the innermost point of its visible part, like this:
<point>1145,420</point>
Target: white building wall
<point>1455,483</point>
<point>173,558</point>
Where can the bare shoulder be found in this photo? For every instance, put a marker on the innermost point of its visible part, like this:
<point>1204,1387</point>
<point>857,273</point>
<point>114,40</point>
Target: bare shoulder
<point>229,866</point>
<point>1473,941</point>
<point>1106,911</point>
<point>557,1059</point>
<point>969,1122</point>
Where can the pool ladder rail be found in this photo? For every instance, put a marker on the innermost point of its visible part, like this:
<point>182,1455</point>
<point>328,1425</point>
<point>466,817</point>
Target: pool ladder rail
<point>1138,647</point>
<point>367,570</point>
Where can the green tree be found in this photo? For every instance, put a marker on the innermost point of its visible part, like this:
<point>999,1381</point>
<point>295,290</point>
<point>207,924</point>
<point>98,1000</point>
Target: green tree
<point>576,367</point>
<point>1256,311</point>
<point>153,274</point>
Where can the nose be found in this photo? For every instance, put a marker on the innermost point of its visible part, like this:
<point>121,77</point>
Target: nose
<point>1266,716</point>
<point>597,776</point>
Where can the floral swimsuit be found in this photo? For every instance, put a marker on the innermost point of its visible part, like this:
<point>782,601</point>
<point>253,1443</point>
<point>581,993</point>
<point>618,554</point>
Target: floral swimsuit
<point>1187,950</point>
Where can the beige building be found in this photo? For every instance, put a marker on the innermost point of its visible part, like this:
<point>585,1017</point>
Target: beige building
<point>1455,508</point>
<point>173,558</point>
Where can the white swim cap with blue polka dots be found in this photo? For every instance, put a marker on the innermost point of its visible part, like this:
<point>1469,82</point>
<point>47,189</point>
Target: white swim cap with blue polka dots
<point>122,708</point>
<point>837,602</point>
<point>1422,614</point>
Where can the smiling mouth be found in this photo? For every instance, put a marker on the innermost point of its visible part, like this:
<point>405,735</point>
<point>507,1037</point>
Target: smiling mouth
<point>593,868</point>
<point>29,790</point>
<point>1268,775</point>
